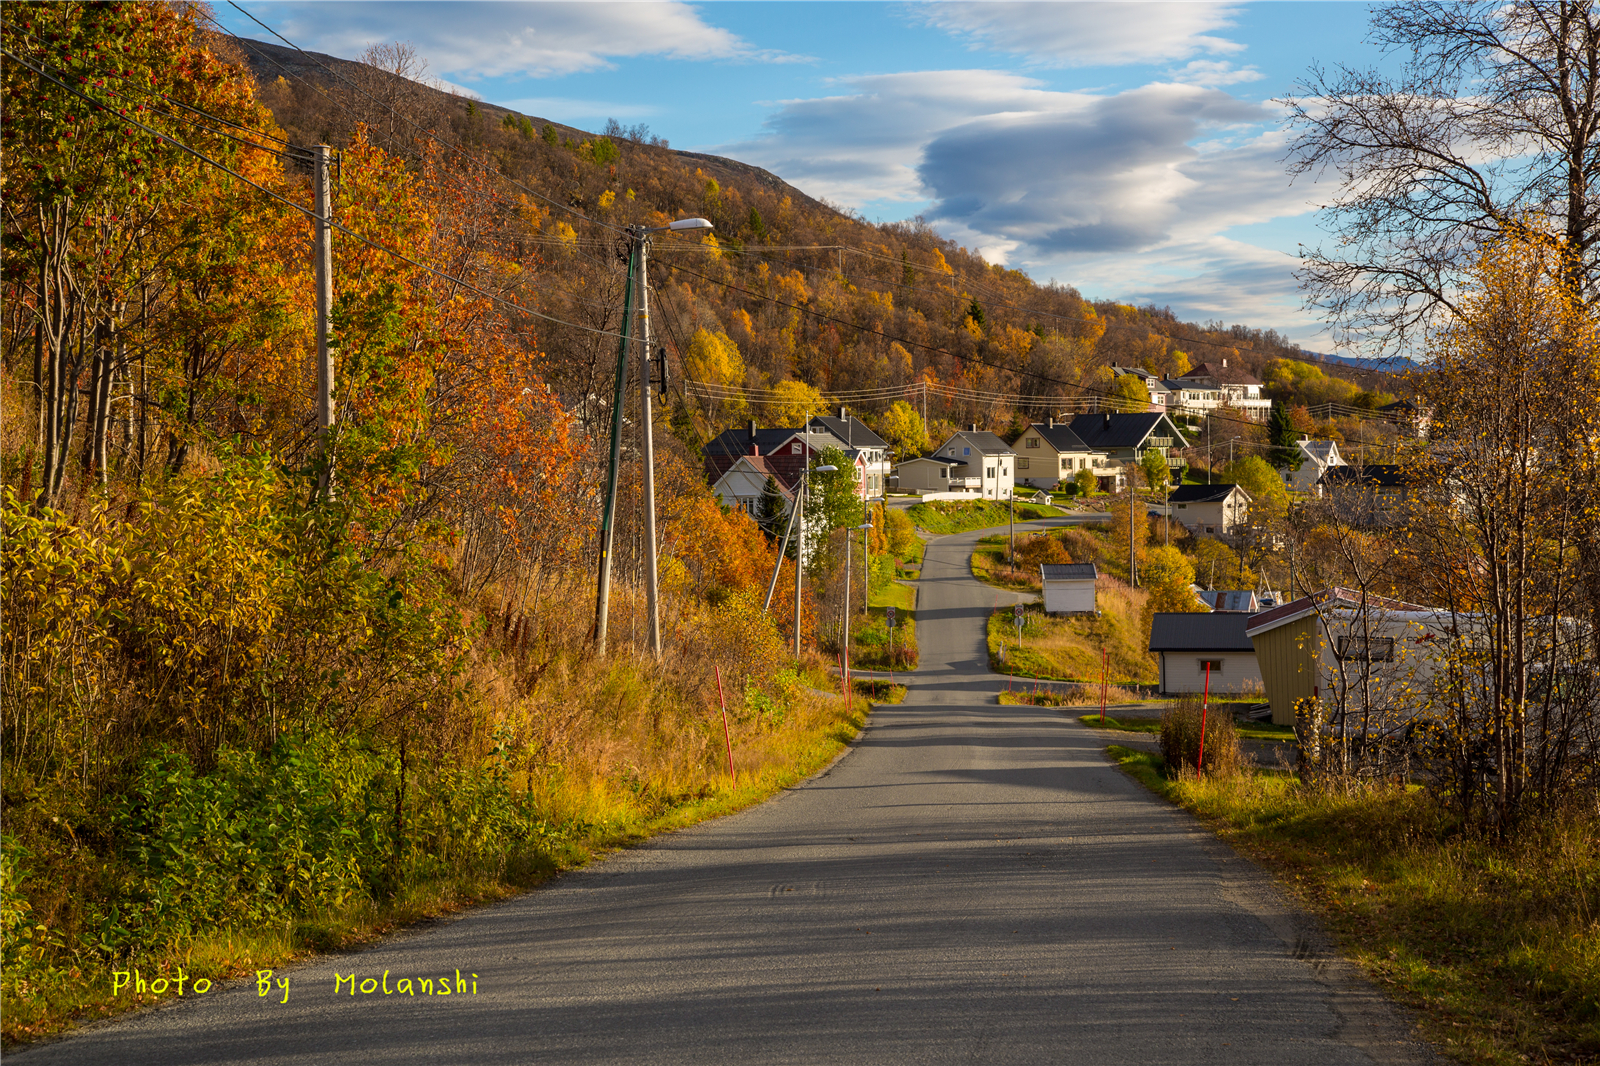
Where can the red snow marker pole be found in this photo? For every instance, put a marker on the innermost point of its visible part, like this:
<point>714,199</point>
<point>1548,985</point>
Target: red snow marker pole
<point>726,736</point>
<point>1205,702</point>
<point>1102,686</point>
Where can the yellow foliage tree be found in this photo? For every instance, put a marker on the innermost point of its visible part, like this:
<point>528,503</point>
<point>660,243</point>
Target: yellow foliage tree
<point>792,402</point>
<point>1168,575</point>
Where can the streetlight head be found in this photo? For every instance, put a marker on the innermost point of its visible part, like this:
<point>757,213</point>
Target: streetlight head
<point>689,223</point>
<point>826,469</point>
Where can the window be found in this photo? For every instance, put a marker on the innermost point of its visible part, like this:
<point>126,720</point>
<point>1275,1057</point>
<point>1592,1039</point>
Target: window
<point>796,448</point>
<point>1183,507</point>
<point>964,451</point>
<point>1066,464</point>
<point>944,475</point>
<point>1033,442</point>
<point>1360,649</point>
<point>1214,664</point>
<point>1022,464</point>
<point>988,471</point>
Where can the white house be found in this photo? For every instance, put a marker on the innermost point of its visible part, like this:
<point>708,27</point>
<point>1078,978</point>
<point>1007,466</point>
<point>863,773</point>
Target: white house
<point>1187,643</point>
<point>1210,510</point>
<point>1123,439</point>
<point>932,473</point>
<point>743,483</point>
<point>852,434</point>
<point>1068,587</point>
<point>989,462</point>
<point>1208,386</point>
<point>1317,457</point>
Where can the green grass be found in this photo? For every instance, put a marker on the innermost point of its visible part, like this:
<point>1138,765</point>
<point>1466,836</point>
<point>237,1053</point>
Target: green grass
<point>959,516</point>
<point>1057,648</point>
<point>1496,944</point>
<point>1252,730</point>
<point>879,690</point>
<point>869,637</point>
<point>990,567</point>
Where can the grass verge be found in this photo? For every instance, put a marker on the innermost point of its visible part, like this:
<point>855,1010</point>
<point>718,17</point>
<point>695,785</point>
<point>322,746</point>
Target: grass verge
<point>597,815</point>
<point>959,516</point>
<point>870,645</point>
<point>1495,943</point>
<point>1063,696</point>
<point>880,690</point>
<point>1057,648</point>
<point>1249,731</point>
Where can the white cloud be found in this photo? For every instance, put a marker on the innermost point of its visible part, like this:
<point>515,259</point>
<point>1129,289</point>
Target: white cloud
<point>1214,72</point>
<point>1088,34</point>
<point>569,109</point>
<point>474,40</point>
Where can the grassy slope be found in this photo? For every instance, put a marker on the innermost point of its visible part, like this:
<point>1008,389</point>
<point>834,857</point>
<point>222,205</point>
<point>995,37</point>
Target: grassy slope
<point>611,818</point>
<point>1068,649</point>
<point>869,642</point>
<point>1497,945</point>
<point>959,516</point>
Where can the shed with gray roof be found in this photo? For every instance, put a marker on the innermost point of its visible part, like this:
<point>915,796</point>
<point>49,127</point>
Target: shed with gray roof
<point>1068,587</point>
<point>1185,643</point>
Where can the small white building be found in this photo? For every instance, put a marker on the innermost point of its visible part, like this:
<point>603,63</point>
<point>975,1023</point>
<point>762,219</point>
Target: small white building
<point>990,462</point>
<point>1210,510</point>
<point>1187,643</point>
<point>931,473</point>
<point>1068,587</point>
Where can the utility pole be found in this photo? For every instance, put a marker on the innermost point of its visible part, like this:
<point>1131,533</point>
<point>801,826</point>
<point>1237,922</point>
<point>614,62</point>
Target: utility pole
<point>322,256</point>
<point>800,544</point>
<point>602,600</point>
<point>1011,514</point>
<point>651,578</point>
<point>1133,499</point>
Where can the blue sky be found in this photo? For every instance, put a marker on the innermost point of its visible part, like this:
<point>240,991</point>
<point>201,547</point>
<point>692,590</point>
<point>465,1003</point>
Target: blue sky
<point>1131,150</point>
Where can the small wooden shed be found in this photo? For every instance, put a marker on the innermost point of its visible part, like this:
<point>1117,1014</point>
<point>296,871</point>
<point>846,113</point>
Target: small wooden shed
<point>1188,642</point>
<point>1068,587</point>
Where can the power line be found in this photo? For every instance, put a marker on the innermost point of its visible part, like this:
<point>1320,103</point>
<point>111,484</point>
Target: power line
<point>425,132</point>
<point>303,210</point>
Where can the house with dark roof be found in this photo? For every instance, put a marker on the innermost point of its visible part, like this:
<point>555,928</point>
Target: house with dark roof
<point>925,474</point>
<point>854,437</point>
<point>1068,587</point>
<point>1186,644</point>
<point>1210,510</point>
<point>1048,452</point>
<point>989,461</point>
<point>1317,457</point>
<point>1373,495</point>
<point>1124,438</point>
<point>741,486</point>
<point>789,448</point>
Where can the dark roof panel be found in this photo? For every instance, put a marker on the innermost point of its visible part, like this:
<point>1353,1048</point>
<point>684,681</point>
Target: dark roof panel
<point>1170,631</point>
<point>1068,571</point>
<point>1201,493</point>
<point>1121,430</point>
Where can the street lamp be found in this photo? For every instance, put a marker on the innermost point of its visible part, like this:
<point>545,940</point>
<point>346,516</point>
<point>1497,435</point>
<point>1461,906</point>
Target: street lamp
<point>638,256</point>
<point>865,565</point>
<point>800,545</point>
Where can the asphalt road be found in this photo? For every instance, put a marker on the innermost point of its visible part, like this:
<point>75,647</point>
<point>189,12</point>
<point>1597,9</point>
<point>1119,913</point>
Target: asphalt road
<point>971,883</point>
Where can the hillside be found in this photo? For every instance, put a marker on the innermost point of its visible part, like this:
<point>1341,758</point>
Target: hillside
<point>796,291</point>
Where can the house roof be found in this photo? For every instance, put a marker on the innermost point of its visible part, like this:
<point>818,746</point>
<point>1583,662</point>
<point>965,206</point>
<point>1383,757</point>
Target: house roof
<point>1222,375</point>
<point>759,465</point>
<point>1111,429</point>
<point>1068,571</point>
<point>738,441</point>
<point>1373,475</point>
<point>1203,493</point>
<point>984,442</point>
<point>1229,599</point>
<point>851,431</point>
<point>942,460</point>
<point>1060,436</point>
<point>1321,452</point>
<point>1172,631</point>
<point>1335,596</point>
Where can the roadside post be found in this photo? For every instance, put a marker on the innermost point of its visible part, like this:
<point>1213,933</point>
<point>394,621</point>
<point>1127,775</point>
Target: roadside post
<point>888,619</point>
<point>726,736</point>
<point>1205,702</point>
<point>1102,686</point>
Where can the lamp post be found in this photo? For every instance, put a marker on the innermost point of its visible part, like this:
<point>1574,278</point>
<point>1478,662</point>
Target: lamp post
<point>800,545</point>
<point>638,252</point>
<point>864,566</point>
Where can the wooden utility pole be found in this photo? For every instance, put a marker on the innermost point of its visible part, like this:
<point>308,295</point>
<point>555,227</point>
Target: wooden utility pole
<point>651,577</point>
<point>322,256</point>
<point>602,600</point>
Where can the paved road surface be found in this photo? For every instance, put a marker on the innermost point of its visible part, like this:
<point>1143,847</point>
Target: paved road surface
<point>972,883</point>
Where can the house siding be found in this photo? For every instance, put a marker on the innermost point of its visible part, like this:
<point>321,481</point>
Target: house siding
<point>1287,657</point>
<point>1181,672</point>
<point>1069,597</point>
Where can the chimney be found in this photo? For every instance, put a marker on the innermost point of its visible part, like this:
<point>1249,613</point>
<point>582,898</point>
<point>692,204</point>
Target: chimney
<point>1108,420</point>
<point>843,417</point>
<point>755,449</point>
<point>752,430</point>
<point>1050,422</point>
<point>1224,364</point>
<point>974,427</point>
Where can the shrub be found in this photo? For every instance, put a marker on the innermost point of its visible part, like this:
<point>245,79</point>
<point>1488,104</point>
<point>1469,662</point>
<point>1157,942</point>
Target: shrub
<point>1180,739</point>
